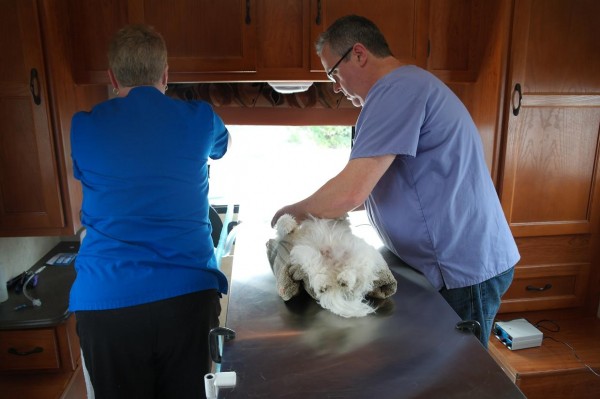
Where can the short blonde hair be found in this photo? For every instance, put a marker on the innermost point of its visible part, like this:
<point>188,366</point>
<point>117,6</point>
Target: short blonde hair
<point>137,55</point>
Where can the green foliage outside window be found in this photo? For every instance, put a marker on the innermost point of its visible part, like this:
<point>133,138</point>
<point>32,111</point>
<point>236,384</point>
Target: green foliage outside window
<point>328,136</point>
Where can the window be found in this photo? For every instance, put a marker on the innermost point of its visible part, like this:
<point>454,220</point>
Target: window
<point>271,166</point>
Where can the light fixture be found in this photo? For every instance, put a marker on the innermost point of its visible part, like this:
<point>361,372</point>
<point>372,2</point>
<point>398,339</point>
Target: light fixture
<point>290,87</point>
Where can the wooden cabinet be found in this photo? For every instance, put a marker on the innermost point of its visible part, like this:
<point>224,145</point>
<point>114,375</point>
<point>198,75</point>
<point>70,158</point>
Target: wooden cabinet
<point>40,349</point>
<point>38,193</point>
<point>237,40</point>
<point>202,36</point>
<point>283,39</point>
<point>41,363</point>
<point>39,346</point>
<point>550,187</point>
<point>30,196</point>
<point>553,273</point>
<point>403,22</point>
<point>91,24</point>
<point>29,350</point>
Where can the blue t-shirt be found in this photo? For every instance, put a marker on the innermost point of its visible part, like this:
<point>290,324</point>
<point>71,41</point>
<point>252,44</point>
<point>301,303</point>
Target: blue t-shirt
<point>436,206</point>
<point>142,163</point>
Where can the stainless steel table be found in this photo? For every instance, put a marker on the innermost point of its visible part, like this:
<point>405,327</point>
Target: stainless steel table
<point>409,349</point>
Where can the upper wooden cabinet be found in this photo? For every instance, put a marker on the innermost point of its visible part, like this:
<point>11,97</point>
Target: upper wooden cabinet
<point>403,23</point>
<point>29,184</point>
<point>283,39</point>
<point>202,36</point>
<point>92,24</point>
<point>238,40</point>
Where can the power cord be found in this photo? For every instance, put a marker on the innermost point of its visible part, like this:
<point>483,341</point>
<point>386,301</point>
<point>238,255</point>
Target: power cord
<point>34,301</point>
<point>539,325</point>
<point>557,329</point>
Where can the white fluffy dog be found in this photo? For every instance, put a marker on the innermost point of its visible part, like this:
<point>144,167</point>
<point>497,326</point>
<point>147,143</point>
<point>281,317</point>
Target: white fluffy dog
<point>340,266</point>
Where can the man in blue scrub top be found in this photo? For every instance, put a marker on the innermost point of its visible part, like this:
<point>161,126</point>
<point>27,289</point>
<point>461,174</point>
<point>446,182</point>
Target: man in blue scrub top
<point>418,167</point>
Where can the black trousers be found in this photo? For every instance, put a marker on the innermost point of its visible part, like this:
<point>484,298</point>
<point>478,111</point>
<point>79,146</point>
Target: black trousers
<point>151,351</point>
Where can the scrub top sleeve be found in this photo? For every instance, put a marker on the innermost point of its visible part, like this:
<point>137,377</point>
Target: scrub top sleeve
<point>391,121</point>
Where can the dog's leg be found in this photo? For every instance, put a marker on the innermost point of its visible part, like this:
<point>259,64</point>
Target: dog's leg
<point>285,225</point>
<point>347,279</point>
<point>311,262</point>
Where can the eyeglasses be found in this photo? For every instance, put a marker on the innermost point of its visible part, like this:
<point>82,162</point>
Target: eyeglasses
<point>330,72</point>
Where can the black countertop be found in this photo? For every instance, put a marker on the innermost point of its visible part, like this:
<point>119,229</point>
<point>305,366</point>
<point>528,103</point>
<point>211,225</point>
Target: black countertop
<point>409,349</point>
<point>54,285</point>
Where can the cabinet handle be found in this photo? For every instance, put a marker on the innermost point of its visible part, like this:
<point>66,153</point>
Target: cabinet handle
<point>534,288</point>
<point>34,86</point>
<point>14,351</point>
<point>318,19</point>
<point>516,109</point>
<point>248,20</point>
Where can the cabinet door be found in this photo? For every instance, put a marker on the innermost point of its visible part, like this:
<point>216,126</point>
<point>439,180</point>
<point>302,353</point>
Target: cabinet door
<point>202,36</point>
<point>550,183</point>
<point>92,24</point>
<point>403,23</point>
<point>283,37</point>
<point>29,184</point>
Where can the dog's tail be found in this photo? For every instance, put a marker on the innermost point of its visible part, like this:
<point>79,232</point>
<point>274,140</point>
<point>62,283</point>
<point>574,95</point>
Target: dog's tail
<point>340,304</point>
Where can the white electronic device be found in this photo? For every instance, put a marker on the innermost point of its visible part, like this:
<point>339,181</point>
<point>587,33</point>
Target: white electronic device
<point>518,334</point>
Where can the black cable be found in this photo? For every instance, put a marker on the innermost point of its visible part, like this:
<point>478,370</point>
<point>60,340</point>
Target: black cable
<point>575,354</point>
<point>557,329</point>
<point>538,325</point>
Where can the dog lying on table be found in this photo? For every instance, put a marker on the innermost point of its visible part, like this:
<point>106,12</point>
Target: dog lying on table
<point>334,266</point>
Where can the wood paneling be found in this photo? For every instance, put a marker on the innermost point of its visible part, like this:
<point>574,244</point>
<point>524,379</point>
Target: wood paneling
<point>468,46</point>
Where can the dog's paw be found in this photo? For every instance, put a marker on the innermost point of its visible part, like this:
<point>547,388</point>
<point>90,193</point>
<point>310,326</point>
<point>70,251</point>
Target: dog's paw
<point>285,225</point>
<point>347,279</point>
<point>320,283</point>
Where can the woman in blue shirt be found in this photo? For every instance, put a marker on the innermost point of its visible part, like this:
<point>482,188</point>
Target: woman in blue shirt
<point>147,288</point>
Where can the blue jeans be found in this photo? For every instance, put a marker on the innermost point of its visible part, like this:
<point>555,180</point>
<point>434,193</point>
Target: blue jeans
<point>480,302</point>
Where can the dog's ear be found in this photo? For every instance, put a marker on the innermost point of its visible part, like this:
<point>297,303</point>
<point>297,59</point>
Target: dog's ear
<point>285,225</point>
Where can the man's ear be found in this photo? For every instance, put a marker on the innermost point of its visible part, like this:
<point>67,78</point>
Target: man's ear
<point>361,53</point>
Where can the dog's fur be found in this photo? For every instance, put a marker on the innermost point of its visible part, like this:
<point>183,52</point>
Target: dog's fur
<point>340,266</point>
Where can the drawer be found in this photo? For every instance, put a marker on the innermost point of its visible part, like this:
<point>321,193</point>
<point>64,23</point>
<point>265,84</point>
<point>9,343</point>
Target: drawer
<point>34,349</point>
<point>543,287</point>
